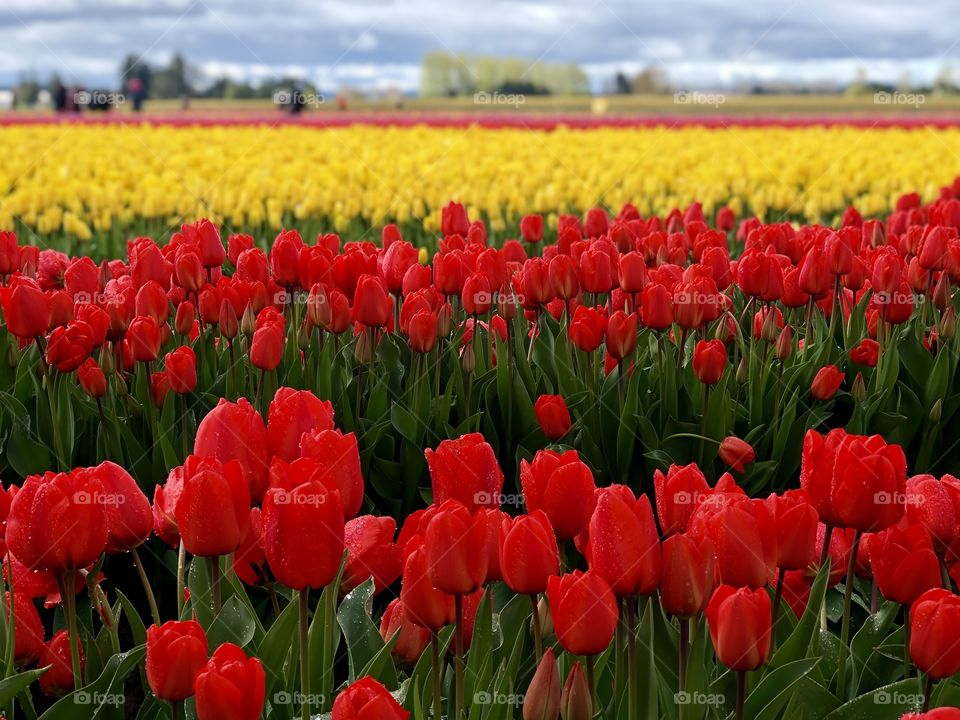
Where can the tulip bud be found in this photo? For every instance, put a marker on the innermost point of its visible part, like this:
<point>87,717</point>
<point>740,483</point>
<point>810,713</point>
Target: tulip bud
<point>105,274</point>
<point>363,352</point>
<point>444,320</point>
<point>743,372</point>
<point>769,330</point>
<point>546,619</point>
<point>575,701</point>
<point>936,411</point>
<point>507,302</point>
<point>859,389</point>
<point>542,701</point>
<point>303,335</point>
<point>468,360</point>
<point>948,324</point>
<point>784,346</point>
<point>229,327</point>
<point>941,292</point>
<point>248,323</point>
<point>13,354</point>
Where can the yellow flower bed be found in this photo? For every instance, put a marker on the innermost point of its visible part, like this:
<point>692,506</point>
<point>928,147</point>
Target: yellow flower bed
<point>81,180</point>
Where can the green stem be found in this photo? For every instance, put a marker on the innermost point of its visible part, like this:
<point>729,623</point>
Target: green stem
<point>435,673</point>
<point>458,707</point>
<point>741,692</point>
<point>65,581</point>
<point>632,699</point>
<point>151,598</point>
<point>329,620</point>
<point>304,654</point>
<point>181,563</point>
<point>845,626</point>
<point>537,640</point>
<point>214,563</point>
<point>907,666</point>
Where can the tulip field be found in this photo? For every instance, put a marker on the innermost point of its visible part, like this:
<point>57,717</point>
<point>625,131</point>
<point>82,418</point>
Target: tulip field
<point>477,423</point>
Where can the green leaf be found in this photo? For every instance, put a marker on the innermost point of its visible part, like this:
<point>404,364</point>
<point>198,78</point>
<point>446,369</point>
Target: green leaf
<point>802,637</point>
<point>276,644</point>
<point>104,696</point>
<point>234,624</point>
<point>885,703</point>
<point>776,688</point>
<point>361,635</point>
<point>10,687</point>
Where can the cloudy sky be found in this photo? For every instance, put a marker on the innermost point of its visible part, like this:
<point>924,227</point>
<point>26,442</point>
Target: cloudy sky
<point>702,44</point>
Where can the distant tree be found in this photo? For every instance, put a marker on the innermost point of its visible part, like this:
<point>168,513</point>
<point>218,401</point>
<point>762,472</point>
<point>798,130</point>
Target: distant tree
<point>27,89</point>
<point>171,81</point>
<point>622,84</point>
<point>650,81</point>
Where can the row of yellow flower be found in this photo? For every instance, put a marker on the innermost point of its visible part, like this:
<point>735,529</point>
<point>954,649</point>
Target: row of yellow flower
<point>83,179</point>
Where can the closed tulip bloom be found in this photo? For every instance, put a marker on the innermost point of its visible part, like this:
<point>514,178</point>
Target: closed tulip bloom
<point>739,621</point>
<point>624,546</point>
<point>528,553</point>
<point>293,413</point>
<point>27,309</point>
<point>531,228</point>
<point>230,686</point>
<point>129,517</point>
<point>553,416</point>
<point>855,481</point>
<point>934,617</point>
<point>69,345</point>
<point>423,604</point>
<point>9,252</point>
<point>826,382</point>
<point>904,563</point>
<point>632,272</point>
<point>398,258</point>
<point>584,612</point>
<point>677,494</point>
<point>495,518</point>
<point>303,534</point>
<point>413,639</point>
<point>235,431</point>
<point>371,552</point>
<point>159,388</point>
<point>466,470</point>
<point>621,334</point>
<point>181,367</point>
<point>143,335</point>
<point>709,361</point>
<point>736,453</point>
<point>455,545</point>
<point>656,307</point>
<point>477,295</point>
<point>366,699</point>
<point>371,305</point>
<point>563,277</point>
<point>266,350</point>
<point>795,519</point>
<point>562,486</point>
<point>164,502</point>
<point>743,535</point>
<point>588,327</point>
<point>542,699</point>
<point>929,504</point>
<point>339,459</point>
<point>213,508</point>
<point>576,701</point>
<point>92,379</point>
<point>422,332</point>
<point>535,283</point>
<point>688,574</point>
<point>176,651</point>
<point>57,522</point>
<point>58,680</point>
<point>28,629</point>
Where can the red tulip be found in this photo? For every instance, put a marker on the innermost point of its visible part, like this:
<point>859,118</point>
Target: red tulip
<point>454,220</point>
<point>367,699</point>
<point>293,413</point>
<point>159,387</point>
<point>235,431</point>
<point>413,638</point>
<point>904,563</point>
<point>795,520</point>
<point>933,645</point>
<point>736,453</point>
<point>69,346</point>
<point>739,621</point>
<point>27,309</point>
<point>181,367</point>
<point>92,379</point>
<point>422,331</point>
<point>826,382</point>
<point>930,504</point>
<point>531,228</point>
<point>371,552</point>
<point>562,486</point>
<point>56,522</point>
<point>398,258</point>
<point>465,470</point>
<point>371,304</point>
<point>455,546</point>
<point>553,416</point>
<point>129,518</point>
<point>743,535</point>
<point>266,349</point>
<point>250,559</point>
<point>230,686</point>
<point>477,295</point>
<point>688,574</point>
<point>213,508</point>
<point>677,495</point>
<point>854,481</point>
<point>28,629</point>
<point>584,612</point>
<point>709,361</point>
<point>143,335</point>
<point>621,334</point>
<point>563,277</point>
<point>624,546</point>
<point>58,680</point>
<point>164,502</point>
<point>423,604</point>
<point>303,534</point>
<point>656,307</point>
<point>587,328</point>
<point>338,458</point>
<point>528,553</point>
<point>176,652</point>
